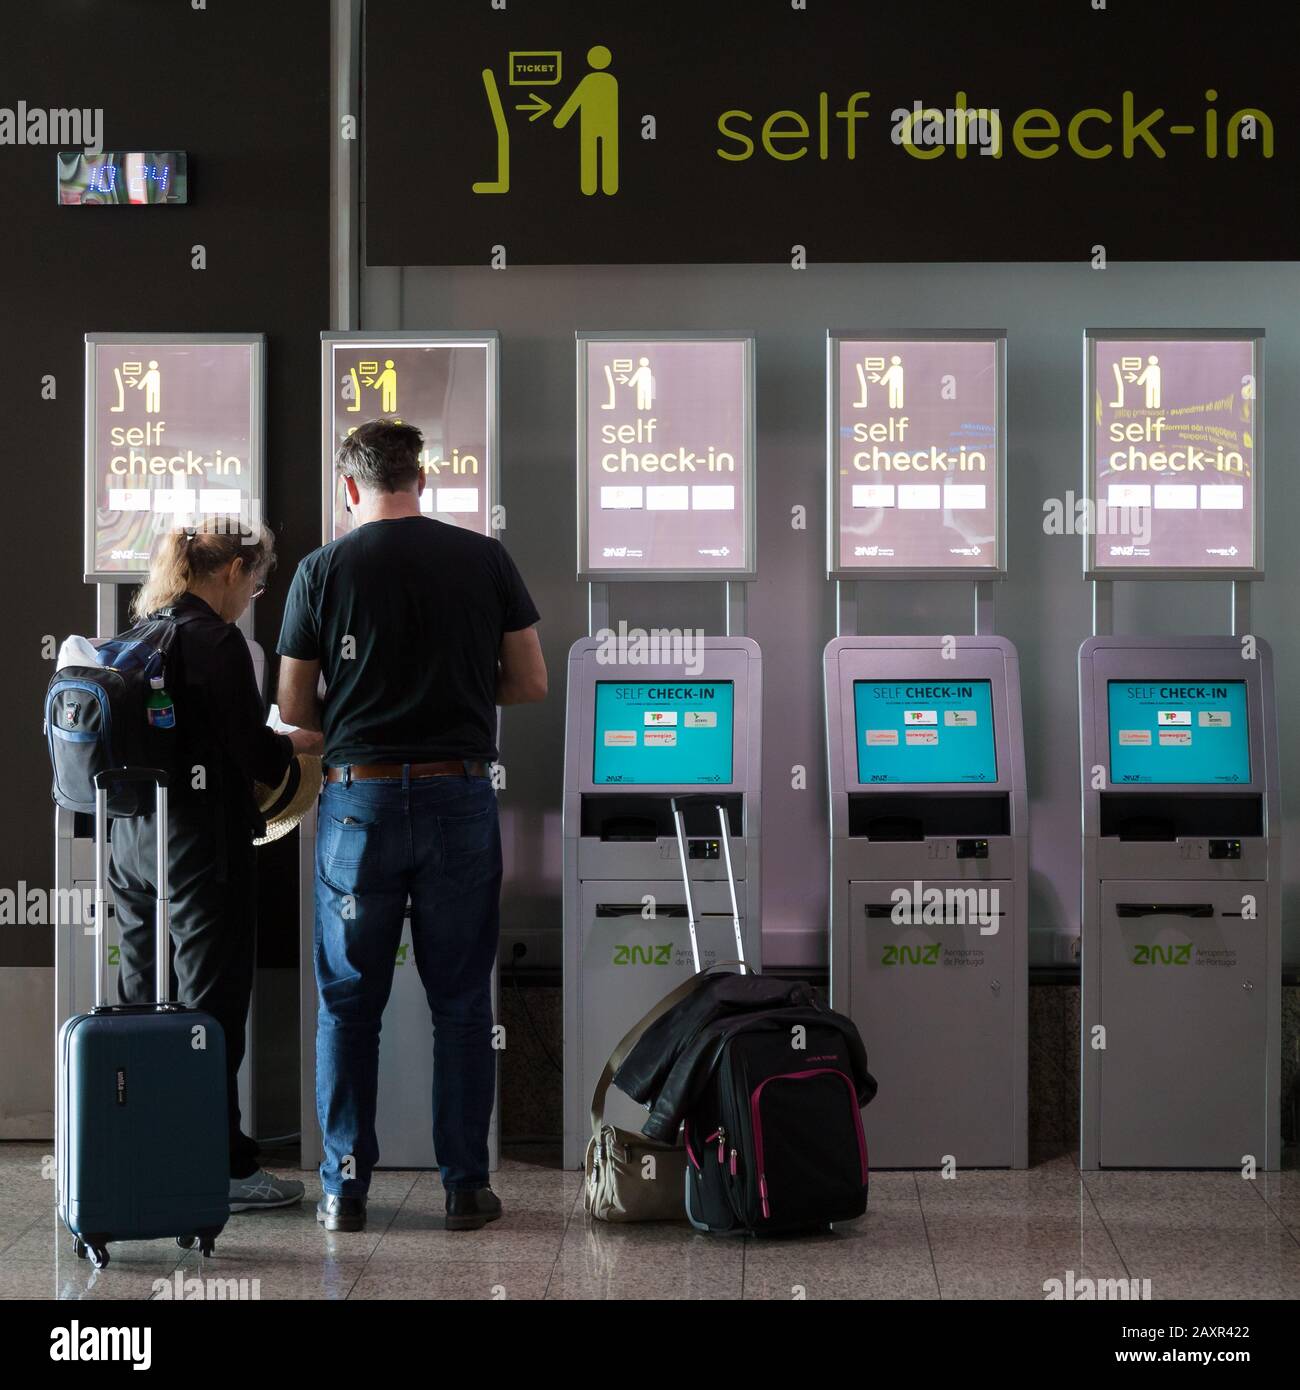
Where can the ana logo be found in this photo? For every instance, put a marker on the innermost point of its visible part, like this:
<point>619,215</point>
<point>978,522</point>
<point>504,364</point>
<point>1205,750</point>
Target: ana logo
<point>911,955</point>
<point>1163,955</point>
<point>643,955</point>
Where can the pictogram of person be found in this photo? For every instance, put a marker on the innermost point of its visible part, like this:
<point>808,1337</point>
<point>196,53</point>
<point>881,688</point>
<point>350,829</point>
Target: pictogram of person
<point>643,380</point>
<point>1150,378</point>
<point>595,101</point>
<point>151,384</point>
<point>892,377</point>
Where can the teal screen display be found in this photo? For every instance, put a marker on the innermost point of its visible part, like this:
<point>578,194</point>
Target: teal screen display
<point>924,731</point>
<point>663,733</point>
<point>1178,732</point>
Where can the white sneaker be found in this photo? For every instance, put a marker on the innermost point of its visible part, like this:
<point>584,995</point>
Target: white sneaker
<point>262,1190</point>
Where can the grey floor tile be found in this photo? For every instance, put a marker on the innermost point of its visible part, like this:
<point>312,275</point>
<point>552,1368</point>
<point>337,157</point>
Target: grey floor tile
<point>707,1268</point>
<point>78,1280</point>
<point>999,1251</point>
<point>262,1277</point>
<point>1171,1201</point>
<point>491,1280</point>
<point>889,1275</point>
<point>1211,1262</point>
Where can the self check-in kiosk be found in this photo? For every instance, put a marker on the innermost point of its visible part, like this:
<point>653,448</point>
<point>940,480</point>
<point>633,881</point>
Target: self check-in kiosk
<point>447,386</point>
<point>636,736</point>
<point>1181,904</point>
<point>926,767</point>
<point>929,899</point>
<point>665,485</point>
<point>1180,1041</point>
<point>173,431</point>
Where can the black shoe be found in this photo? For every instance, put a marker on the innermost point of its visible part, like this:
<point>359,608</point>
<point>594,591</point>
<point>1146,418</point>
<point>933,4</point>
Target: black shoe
<point>341,1213</point>
<point>469,1209</point>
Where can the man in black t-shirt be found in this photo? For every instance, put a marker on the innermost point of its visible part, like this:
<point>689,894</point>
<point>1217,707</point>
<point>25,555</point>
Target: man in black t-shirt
<point>420,631</point>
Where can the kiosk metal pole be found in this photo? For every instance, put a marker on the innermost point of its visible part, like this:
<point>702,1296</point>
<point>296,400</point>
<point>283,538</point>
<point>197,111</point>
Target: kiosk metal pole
<point>735,598</point>
<point>1240,617</point>
<point>1103,608</point>
<point>597,608</point>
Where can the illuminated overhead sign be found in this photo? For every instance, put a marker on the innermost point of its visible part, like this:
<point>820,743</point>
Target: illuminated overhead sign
<point>916,454</point>
<point>445,385</point>
<point>1173,451</point>
<point>665,456</point>
<point>173,432</point>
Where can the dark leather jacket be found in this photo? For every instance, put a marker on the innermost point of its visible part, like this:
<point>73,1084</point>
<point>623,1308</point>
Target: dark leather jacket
<point>672,1062</point>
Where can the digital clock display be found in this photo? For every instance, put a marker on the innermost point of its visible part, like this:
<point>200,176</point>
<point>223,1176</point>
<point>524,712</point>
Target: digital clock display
<point>136,177</point>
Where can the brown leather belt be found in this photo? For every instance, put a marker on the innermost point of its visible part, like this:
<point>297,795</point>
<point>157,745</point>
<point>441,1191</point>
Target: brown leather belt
<point>363,772</point>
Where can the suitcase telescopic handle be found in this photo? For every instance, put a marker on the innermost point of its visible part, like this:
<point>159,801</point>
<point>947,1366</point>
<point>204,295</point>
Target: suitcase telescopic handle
<point>724,835</point>
<point>162,918</point>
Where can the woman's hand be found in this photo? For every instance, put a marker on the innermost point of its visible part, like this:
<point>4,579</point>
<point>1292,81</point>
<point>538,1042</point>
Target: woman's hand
<point>306,741</point>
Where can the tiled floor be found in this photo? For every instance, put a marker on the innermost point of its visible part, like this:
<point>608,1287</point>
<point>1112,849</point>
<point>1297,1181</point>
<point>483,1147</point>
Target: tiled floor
<point>979,1235</point>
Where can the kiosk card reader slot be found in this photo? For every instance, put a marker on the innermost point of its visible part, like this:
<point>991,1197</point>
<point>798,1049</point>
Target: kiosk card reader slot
<point>929,892</point>
<point>638,737</point>
<point>1181,996</point>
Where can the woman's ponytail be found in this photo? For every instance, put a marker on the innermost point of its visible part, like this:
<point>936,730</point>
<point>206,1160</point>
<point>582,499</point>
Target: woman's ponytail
<point>189,553</point>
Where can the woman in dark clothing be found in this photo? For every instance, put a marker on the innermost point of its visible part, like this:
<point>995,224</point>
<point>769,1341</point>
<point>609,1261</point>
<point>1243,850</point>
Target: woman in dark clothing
<point>206,575</point>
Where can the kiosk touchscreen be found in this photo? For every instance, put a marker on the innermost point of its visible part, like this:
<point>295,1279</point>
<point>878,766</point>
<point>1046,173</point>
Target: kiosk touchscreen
<point>929,891</point>
<point>636,736</point>
<point>1181,996</point>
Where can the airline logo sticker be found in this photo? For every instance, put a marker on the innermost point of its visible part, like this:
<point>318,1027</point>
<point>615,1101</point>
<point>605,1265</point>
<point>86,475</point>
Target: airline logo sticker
<point>661,738</point>
<point>920,716</point>
<point>1135,738</point>
<point>620,738</point>
<point>918,738</point>
<point>1177,717</point>
<point>663,717</point>
<point>1215,719</point>
<point>700,719</point>
<point>960,718</point>
<point>882,738</point>
<point>1175,738</point>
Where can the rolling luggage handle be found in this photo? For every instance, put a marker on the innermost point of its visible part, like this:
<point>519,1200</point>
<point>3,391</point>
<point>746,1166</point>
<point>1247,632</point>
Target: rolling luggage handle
<point>724,831</point>
<point>162,920</point>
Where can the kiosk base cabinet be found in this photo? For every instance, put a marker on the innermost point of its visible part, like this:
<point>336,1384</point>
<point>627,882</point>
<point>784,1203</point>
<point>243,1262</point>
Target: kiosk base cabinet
<point>631,961</point>
<point>1184,1008</point>
<point>936,1007</point>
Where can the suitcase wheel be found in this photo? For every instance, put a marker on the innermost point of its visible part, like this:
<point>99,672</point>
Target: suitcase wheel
<point>98,1255</point>
<point>207,1242</point>
<point>186,1242</point>
<point>79,1247</point>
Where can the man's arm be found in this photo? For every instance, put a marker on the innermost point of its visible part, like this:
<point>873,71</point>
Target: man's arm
<point>297,697</point>
<point>521,669</point>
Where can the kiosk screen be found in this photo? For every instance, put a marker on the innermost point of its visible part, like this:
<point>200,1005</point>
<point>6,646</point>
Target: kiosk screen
<point>924,731</point>
<point>663,733</point>
<point>1178,732</point>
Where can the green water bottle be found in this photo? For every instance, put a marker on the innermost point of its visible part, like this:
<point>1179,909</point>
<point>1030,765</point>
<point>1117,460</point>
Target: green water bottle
<point>159,709</point>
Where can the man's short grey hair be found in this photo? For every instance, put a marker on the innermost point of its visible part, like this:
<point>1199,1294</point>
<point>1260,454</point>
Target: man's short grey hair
<point>381,456</point>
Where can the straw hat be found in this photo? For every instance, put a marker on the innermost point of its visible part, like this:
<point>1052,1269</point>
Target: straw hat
<point>284,806</point>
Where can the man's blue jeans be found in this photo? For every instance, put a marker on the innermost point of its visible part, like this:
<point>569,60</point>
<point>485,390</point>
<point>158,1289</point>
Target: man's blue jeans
<point>435,840</point>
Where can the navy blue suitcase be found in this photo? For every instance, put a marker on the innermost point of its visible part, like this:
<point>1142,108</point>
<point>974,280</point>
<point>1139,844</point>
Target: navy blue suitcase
<point>143,1150</point>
